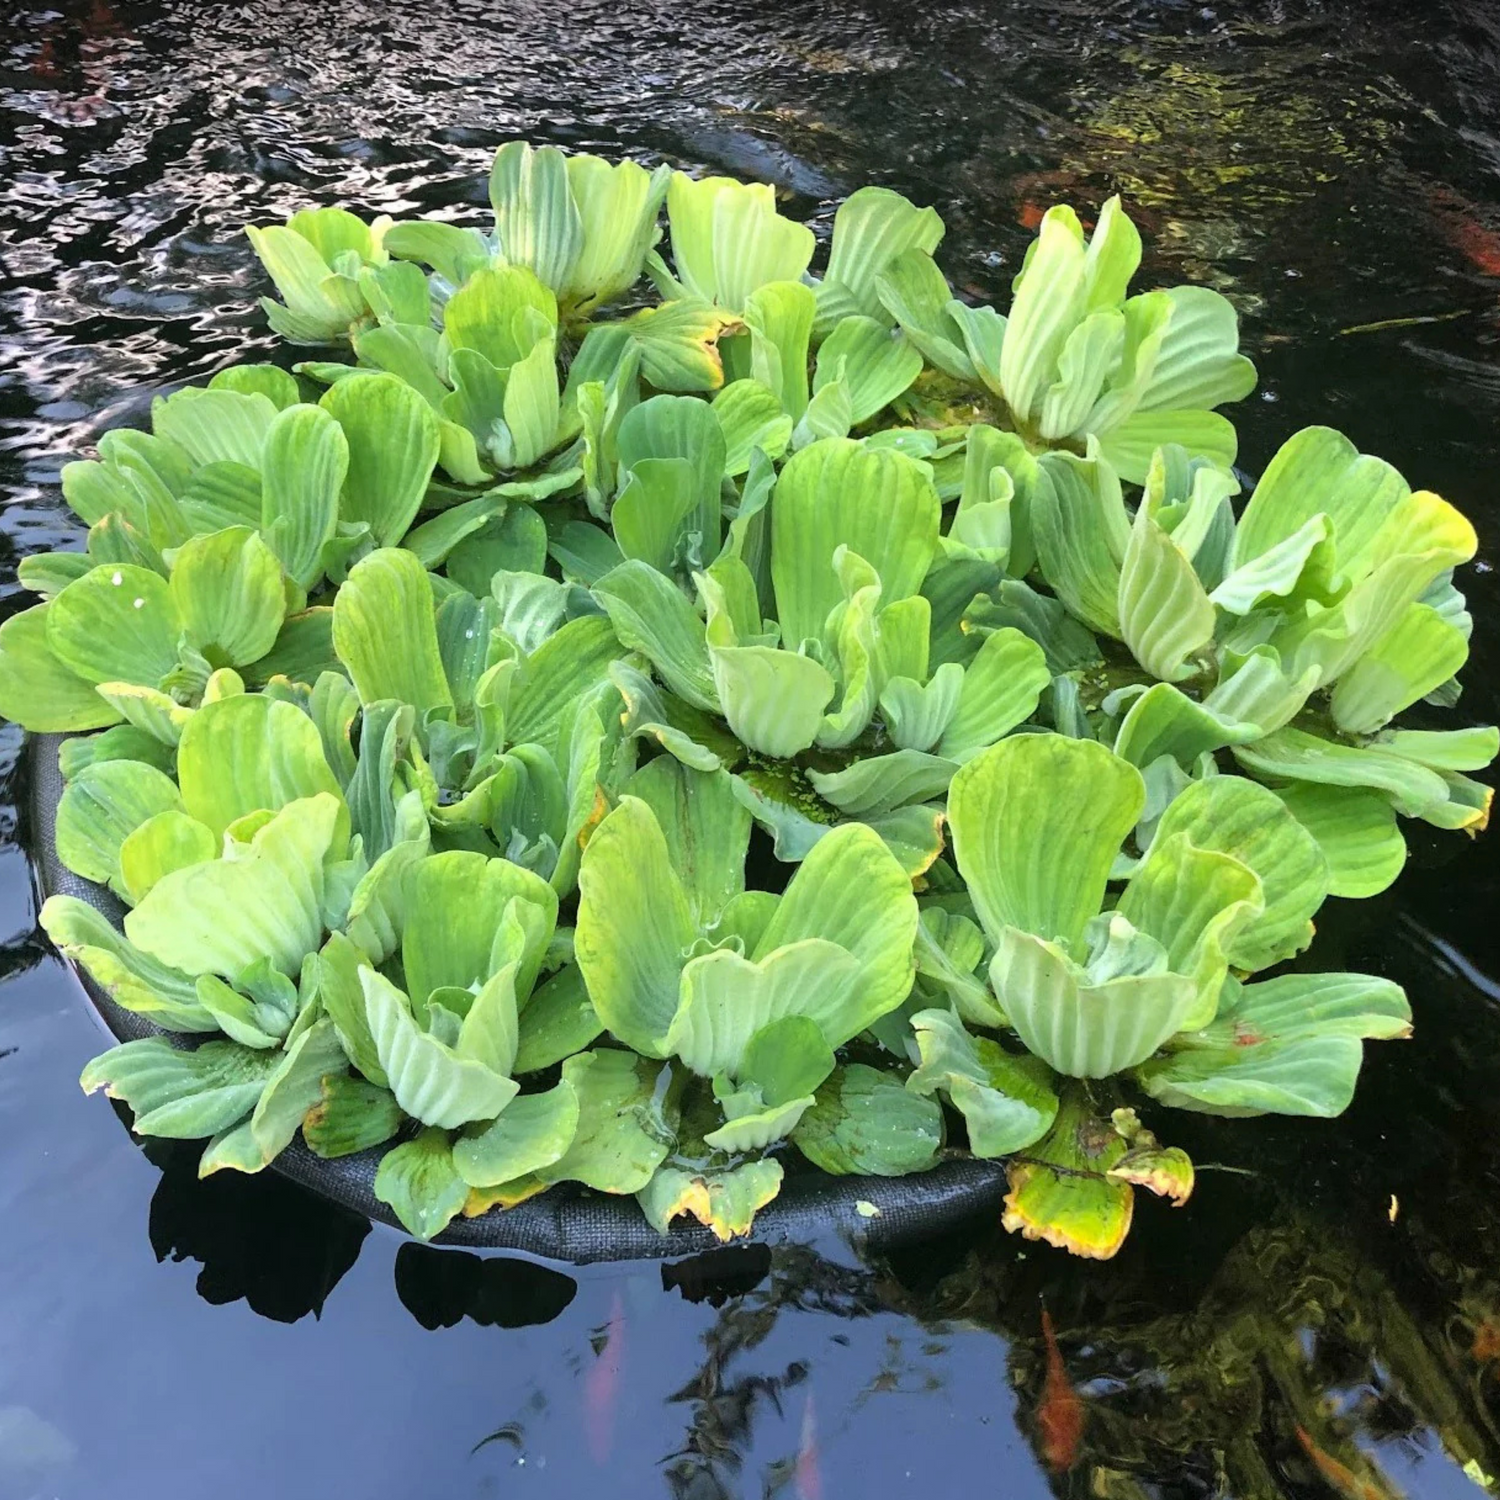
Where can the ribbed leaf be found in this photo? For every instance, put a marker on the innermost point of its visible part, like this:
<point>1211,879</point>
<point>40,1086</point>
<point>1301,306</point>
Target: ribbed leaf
<point>186,1095</point>
<point>393,448</point>
<point>228,590</point>
<point>864,1122</point>
<point>724,1201</point>
<point>1357,832</point>
<point>432,1081</point>
<point>1037,822</point>
<point>1001,688</point>
<point>1166,617</point>
<point>626,1123</point>
<point>385,631</point>
<point>302,466</point>
<point>265,903</point>
<point>706,829</point>
<point>1087,1030</point>
<point>1007,1102</point>
<point>536,220</point>
<point>101,807</point>
<point>872,227</point>
<point>1318,471</point>
<point>1051,297</point>
<point>1250,823</point>
<point>1081,536</point>
<point>726,999</point>
<point>634,923</point>
<point>247,754</point>
<point>38,690</point>
<point>851,890</point>
<point>877,502</point>
<point>1419,653</point>
<point>1286,1046</point>
<point>533,1132</point>
<point>875,363</point>
<point>115,624</point>
<point>131,978</point>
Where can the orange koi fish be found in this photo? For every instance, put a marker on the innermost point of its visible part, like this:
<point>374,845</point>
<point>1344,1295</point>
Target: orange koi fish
<point>1059,1415</point>
<point>601,1386</point>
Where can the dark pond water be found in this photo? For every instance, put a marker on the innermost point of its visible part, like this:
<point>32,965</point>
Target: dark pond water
<point>1335,169</point>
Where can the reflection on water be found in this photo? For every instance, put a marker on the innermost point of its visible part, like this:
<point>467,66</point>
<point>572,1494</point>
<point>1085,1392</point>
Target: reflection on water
<point>1323,1320</point>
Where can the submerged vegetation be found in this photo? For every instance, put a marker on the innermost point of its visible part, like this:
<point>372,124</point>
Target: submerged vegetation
<point>640,741</point>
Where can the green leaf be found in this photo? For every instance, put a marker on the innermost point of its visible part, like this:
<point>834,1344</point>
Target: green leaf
<point>779,317</point>
<point>1250,823</point>
<point>170,840</point>
<point>1414,789</point>
<point>215,426</point>
<point>626,1123</point>
<point>876,365</point>
<point>458,903</point>
<point>866,1123</point>
<point>851,890</point>
<point>265,902</point>
<point>101,808</point>
<point>727,999</point>
<point>295,1087</point>
<point>1001,688</point>
<point>536,220</point>
<point>1037,821</point>
<point>1094,1021</point>
<point>679,344</point>
<point>419,1182</point>
<point>882,783</point>
<point>1052,296</point>
<point>385,631</point>
<point>228,590</point>
<point>567,666</point>
<point>617,205</point>
<point>393,441</point>
<point>1357,832</point>
<point>872,227</point>
<point>1166,617</point>
<point>247,754</point>
<point>534,1132</point>
<point>1319,471</point>
<point>728,240</point>
<point>751,416</point>
<point>351,1115</point>
<point>558,1021</point>
<point>634,924</point>
<point>1082,535</point>
<point>434,1082</point>
<point>1284,1046</point>
<point>707,832</point>
<point>1419,653</point>
<point>132,979</point>
<point>651,615</point>
<point>914,292</point>
<point>115,624</point>
<point>725,1201</point>
<point>38,690</point>
<point>302,466</point>
<point>184,1094</point>
<point>877,502</point>
<point>1007,1102</point>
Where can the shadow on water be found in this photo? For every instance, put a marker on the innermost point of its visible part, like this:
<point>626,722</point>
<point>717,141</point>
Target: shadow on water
<point>1323,1319</point>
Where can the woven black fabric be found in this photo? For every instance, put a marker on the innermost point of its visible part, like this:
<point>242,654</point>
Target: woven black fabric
<point>567,1223</point>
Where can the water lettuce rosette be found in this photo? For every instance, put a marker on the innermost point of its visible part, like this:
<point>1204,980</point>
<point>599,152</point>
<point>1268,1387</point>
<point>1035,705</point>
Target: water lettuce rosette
<point>637,712</point>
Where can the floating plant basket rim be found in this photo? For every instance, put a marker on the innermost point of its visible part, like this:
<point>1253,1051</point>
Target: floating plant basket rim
<point>568,1222</point>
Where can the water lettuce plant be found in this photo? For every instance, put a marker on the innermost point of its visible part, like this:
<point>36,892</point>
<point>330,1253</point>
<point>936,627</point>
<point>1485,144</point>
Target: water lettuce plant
<point>634,711</point>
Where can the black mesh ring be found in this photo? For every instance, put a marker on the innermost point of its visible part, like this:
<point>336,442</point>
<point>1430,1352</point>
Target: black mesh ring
<point>568,1222</point>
